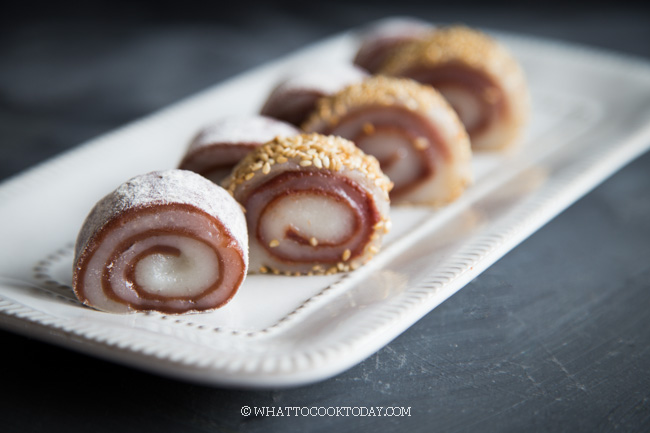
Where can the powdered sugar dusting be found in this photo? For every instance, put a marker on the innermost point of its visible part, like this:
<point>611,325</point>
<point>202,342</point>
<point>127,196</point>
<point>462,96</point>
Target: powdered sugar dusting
<point>399,29</point>
<point>166,187</point>
<point>322,80</point>
<point>379,41</point>
<point>242,130</point>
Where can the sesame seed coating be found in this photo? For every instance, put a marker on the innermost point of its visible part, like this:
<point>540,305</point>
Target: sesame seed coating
<point>456,43</point>
<point>331,156</point>
<point>485,59</point>
<point>426,124</point>
<point>380,91</point>
<point>332,153</point>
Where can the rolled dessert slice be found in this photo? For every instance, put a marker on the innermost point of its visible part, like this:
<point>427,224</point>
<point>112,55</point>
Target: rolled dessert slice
<point>410,128</point>
<point>295,97</point>
<point>314,205</point>
<point>219,146</point>
<point>168,241</point>
<point>379,41</point>
<point>481,80</point>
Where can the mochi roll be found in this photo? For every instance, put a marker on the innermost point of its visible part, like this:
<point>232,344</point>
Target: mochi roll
<point>378,42</point>
<point>219,146</point>
<point>478,76</point>
<point>295,97</point>
<point>409,127</point>
<point>168,241</point>
<point>314,205</point>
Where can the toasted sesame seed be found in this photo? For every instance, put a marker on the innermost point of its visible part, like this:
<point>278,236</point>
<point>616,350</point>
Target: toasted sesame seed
<point>447,44</point>
<point>375,91</point>
<point>346,255</point>
<point>266,168</point>
<point>332,153</point>
<point>368,128</point>
<point>274,243</point>
<point>411,103</point>
<point>313,241</point>
<point>421,143</point>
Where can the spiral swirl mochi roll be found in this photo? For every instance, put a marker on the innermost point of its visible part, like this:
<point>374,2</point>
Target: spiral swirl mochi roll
<point>481,80</point>
<point>219,146</point>
<point>314,205</point>
<point>410,128</point>
<point>169,241</point>
<point>295,97</point>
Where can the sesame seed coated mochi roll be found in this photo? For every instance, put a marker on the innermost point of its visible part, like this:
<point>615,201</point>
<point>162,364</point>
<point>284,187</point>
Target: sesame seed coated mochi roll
<point>314,204</point>
<point>169,241</point>
<point>481,80</point>
<point>409,127</point>
<point>219,146</point>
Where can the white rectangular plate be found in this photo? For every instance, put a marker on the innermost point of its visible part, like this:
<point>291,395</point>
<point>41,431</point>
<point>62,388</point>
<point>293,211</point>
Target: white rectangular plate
<point>591,116</point>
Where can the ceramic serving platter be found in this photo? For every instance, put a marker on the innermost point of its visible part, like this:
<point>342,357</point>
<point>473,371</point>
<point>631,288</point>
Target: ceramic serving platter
<point>590,117</point>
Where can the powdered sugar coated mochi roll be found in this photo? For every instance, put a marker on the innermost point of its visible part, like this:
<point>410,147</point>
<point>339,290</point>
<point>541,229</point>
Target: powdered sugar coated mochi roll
<point>168,241</point>
<point>295,97</point>
<point>219,146</point>
<point>379,41</point>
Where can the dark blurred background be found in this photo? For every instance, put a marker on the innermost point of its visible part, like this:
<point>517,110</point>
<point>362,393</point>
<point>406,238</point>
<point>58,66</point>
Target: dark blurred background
<point>71,70</point>
<point>486,360</point>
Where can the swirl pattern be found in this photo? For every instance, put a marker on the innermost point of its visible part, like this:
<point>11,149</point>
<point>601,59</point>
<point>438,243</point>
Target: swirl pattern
<point>481,80</point>
<point>409,127</point>
<point>314,204</point>
<point>166,241</point>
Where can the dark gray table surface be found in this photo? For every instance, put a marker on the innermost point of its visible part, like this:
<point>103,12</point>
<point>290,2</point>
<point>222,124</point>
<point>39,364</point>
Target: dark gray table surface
<point>553,337</point>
